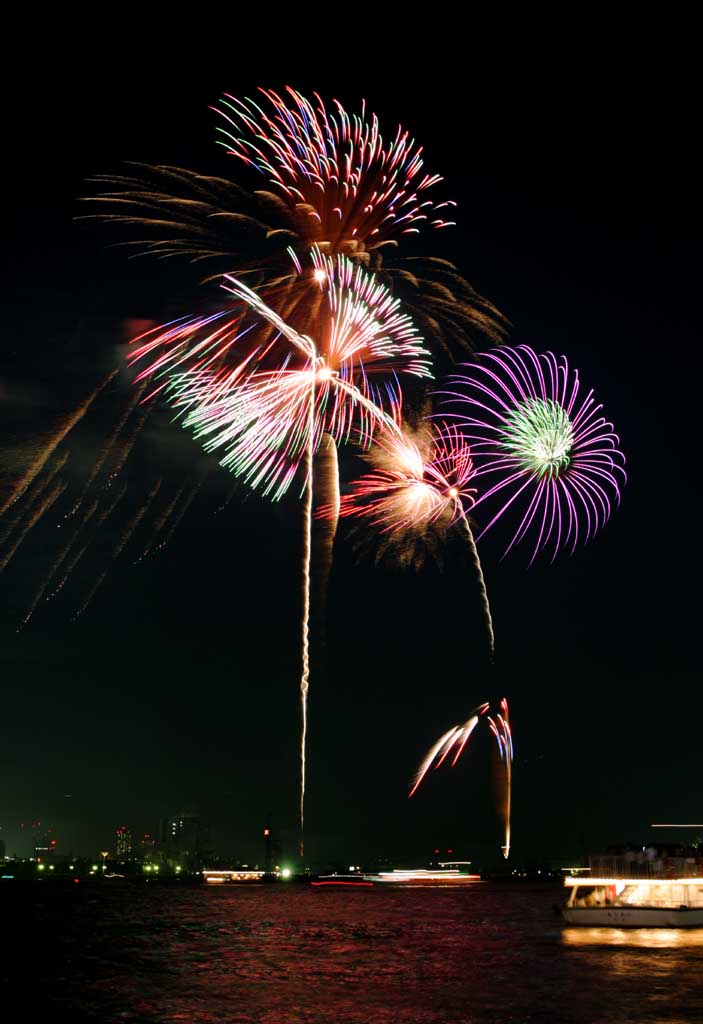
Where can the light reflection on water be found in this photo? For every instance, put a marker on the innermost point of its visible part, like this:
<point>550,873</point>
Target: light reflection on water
<point>484,954</point>
<point>647,938</point>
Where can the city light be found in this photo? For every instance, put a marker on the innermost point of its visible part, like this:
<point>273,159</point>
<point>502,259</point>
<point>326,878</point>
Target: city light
<point>285,873</point>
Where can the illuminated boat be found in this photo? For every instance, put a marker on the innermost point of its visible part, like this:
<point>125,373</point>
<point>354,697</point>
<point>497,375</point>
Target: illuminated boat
<point>622,894</point>
<point>354,881</point>
<point>423,876</point>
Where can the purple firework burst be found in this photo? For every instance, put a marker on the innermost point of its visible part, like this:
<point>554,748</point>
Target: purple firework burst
<point>540,443</point>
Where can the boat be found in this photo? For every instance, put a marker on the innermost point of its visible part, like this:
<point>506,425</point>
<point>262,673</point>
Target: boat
<point>618,892</point>
<point>341,881</point>
<point>423,876</point>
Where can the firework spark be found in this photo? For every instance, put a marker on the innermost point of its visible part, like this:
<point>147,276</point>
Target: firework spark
<point>529,428</point>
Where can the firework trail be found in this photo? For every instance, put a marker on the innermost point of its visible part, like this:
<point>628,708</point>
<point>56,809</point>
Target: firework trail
<point>481,583</point>
<point>305,667</point>
<point>225,503</point>
<point>500,727</point>
<point>100,461</point>
<point>160,523</point>
<point>109,509</point>
<point>58,563</point>
<point>181,512</point>
<point>120,546</point>
<point>127,448</point>
<point>455,738</point>
<point>91,594</point>
<point>135,521</point>
<point>420,487</point>
<point>41,459</point>
<point>44,507</point>
<point>531,432</point>
<point>69,569</point>
<point>34,493</point>
<point>324,529</point>
<point>92,509</point>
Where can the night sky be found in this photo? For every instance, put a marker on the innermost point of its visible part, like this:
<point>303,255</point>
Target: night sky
<point>579,216</point>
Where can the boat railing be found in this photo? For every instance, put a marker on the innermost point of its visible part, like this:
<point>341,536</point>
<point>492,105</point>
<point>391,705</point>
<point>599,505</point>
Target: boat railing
<point>629,867</point>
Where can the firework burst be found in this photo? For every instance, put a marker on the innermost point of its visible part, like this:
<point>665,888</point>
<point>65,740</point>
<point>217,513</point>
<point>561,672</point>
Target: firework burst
<point>540,442</point>
<point>334,183</point>
<point>456,738</point>
<point>261,417</point>
<point>420,487</point>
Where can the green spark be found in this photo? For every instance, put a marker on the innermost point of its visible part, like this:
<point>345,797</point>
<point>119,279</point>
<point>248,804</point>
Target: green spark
<point>540,434</point>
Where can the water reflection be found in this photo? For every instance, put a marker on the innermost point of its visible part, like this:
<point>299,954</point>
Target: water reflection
<point>642,938</point>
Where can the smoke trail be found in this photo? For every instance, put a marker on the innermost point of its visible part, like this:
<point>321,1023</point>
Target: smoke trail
<point>482,585</point>
<point>307,554</point>
<point>43,508</point>
<point>326,495</point>
<point>40,461</point>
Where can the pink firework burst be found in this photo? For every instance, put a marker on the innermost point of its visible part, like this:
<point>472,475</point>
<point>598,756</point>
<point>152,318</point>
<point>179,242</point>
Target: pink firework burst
<point>541,444</point>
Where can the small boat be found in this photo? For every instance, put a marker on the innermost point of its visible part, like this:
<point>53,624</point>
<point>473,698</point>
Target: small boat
<point>618,893</point>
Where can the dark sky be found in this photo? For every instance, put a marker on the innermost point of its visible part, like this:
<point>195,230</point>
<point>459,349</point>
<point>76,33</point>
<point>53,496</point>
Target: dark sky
<point>579,216</point>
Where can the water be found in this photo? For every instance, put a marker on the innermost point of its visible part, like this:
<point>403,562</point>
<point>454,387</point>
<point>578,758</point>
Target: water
<point>483,954</point>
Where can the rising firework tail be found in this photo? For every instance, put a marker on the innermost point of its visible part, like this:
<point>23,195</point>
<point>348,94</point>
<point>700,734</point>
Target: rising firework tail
<point>500,727</point>
<point>540,446</point>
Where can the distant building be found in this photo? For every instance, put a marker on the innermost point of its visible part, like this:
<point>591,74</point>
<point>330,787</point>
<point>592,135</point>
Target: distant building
<point>185,840</point>
<point>124,846</point>
<point>43,841</point>
<point>147,848</point>
<point>2,849</point>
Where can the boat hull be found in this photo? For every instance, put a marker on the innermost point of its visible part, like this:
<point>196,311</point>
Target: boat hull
<point>634,917</point>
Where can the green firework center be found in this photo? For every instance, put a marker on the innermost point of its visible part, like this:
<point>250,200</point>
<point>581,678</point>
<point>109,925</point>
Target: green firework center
<point>540,434</point>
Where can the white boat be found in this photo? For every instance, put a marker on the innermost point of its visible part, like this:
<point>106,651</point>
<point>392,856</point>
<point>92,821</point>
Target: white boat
<point>625,894</point>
